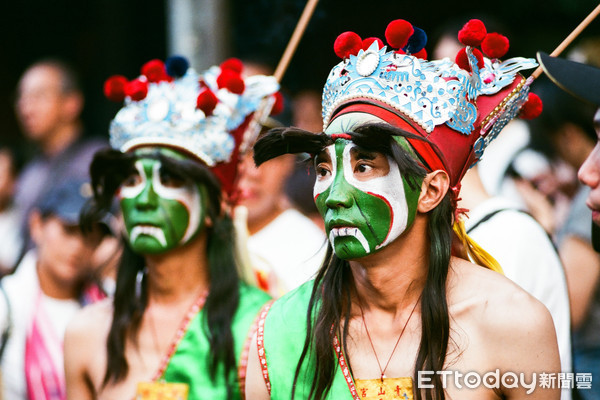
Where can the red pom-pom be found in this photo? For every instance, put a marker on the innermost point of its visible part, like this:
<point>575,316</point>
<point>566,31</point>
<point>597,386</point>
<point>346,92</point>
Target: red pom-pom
<point>346,44</point>
<point>136,89</point>
<point>278,105</point>
<point>155,71</point>
<point>232,81</point>
<point>114,88</point>
<point>472,33</point>
<point>233,64</point>
<point>369,41</point>
<point>463,61</point>
<point>398,32</point>
<point>494,45</point>
<point>207,101</point>
<point>422,54</point>
<point>532,108</point>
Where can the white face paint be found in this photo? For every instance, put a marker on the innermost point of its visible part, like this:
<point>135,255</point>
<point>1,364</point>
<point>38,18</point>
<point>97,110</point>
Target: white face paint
<point>389,188</point>
<point>187,195</point>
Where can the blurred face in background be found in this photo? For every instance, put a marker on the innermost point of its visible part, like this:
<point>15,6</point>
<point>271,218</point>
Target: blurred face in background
<point>43,103</point>
<point>64,253</point>
<point>262,189</point>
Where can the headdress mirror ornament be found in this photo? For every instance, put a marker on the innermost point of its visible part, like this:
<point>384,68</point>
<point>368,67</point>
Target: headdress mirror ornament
<point>204,115</point>
<point>459,106</point>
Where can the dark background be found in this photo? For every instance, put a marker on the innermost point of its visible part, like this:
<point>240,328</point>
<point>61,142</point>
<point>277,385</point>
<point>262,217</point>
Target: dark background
<point>105,37</point>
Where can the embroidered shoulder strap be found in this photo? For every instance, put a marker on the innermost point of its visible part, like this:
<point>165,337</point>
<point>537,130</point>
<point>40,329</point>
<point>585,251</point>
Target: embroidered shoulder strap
<point>260,344</point>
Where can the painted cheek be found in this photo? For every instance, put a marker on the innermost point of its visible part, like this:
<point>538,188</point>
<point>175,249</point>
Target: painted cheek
<point>188,197</point>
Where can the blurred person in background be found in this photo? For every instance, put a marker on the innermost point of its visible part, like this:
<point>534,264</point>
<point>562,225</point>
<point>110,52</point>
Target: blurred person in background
<point>583,269</point>
<point>10,225</point>
<point>286,247</point>
<point>44,293</point>
<point>48,107</point>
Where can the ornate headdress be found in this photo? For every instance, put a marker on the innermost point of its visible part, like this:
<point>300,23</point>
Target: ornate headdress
<point>205,115</point>
<point>458,106</point>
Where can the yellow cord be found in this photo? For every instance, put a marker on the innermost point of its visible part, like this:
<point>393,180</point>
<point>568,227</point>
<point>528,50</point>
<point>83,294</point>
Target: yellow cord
<point>475,252</point>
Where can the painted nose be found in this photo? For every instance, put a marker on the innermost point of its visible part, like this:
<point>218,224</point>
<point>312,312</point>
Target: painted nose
<point>339,193</point>
<point>147,199</point>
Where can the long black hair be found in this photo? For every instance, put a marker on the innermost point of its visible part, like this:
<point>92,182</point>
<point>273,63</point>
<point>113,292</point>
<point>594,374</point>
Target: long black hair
<point>330,301</point>
<point>108,170</point>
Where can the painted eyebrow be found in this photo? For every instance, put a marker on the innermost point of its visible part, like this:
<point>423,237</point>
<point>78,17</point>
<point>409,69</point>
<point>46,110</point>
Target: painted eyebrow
<point>323,156</point>
<point>361,154</point>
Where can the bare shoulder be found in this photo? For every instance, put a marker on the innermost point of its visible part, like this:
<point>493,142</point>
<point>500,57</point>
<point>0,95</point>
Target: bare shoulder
<point>85,350</point>
<point>92,319</point>
<point>498,304</point>
<point>500,325</point>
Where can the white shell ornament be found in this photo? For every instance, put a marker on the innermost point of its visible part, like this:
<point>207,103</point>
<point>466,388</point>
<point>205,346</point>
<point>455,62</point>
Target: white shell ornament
<point>367,63</point>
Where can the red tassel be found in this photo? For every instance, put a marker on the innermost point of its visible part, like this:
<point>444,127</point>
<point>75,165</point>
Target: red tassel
<point>463,61</point>
<point>532,108</point>
<point>422,54</point>
<point>495,45</point>
<point>155,70</point>
<point>369,41</point>
<point>398,32</point>
<point>472,33</point>
<point>232,81</point>
<point>278,105</point>
<point>233,64</point>
<point>347,44</point>
<point>114,88</point>
<point>207,101</point>
<point>136,89</point>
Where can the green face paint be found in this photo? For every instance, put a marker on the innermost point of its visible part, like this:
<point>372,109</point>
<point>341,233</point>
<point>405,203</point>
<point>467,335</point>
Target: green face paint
<point>160,212</point>
<point>364,200</point>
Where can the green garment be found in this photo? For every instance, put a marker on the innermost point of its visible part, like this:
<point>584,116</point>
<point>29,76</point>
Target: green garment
<point>190,362</point>
<point>284,335</point>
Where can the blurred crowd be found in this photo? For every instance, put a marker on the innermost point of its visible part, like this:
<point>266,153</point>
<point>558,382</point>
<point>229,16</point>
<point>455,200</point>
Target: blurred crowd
<point>526,207</point>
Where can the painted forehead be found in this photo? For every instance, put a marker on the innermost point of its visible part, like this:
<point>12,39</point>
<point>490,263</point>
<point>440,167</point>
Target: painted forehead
<point>348,122</point>
<point>157,151</point>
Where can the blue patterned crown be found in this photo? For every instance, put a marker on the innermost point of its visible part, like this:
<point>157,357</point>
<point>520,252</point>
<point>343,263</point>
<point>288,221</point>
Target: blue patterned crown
<point>430,93</point>
<point>459,106</point>
<point>171,105</point>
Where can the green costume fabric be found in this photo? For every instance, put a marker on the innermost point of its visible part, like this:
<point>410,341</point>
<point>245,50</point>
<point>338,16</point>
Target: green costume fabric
<point>190,362</point>
<point>284,335</point>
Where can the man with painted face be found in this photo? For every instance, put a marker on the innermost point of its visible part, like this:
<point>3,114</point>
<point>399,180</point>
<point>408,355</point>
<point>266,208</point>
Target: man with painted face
<point>392,313</point>
<point>182,316</point>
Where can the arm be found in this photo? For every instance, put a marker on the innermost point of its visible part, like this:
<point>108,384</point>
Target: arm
<point>256,388</point>
<point>582,268</point>
<point>78,383</point>
<point>526,343</point>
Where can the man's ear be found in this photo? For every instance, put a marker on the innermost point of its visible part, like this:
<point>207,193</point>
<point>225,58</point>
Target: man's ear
<point>433,189</point>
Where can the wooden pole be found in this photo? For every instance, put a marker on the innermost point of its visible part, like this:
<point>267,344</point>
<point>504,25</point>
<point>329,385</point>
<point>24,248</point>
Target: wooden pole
<point>295,39</point>
<point>570,38</point>
<point>264,109</point>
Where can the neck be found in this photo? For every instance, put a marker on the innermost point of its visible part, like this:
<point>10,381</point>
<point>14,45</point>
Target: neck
<point>180,273</point>
<point>61,138</point>
<point>52,287</point>
<point>256,224</point>
<point>392,279</point>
